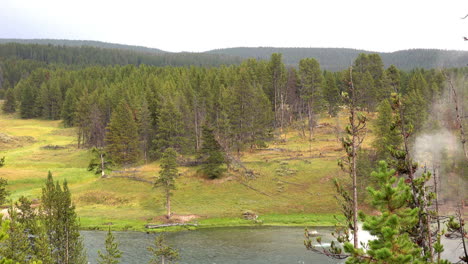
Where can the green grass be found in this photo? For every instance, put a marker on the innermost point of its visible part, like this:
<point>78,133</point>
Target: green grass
<point>302,196</point>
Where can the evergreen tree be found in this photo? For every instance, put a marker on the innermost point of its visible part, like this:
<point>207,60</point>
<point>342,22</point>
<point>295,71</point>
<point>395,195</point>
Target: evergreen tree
<point>50,97</point>
<point>211,155</point>
<point>27,101</point>
<point>162,253</point>
<point>331,94</point>
<point>167,176</point>
<point>393,243</point>
<point>311,80</point>
<point>100,162</point>
<point>61,223</point>
<point>170,129</point>
<point>385,136</point>
<point>69,107</point>
<point>5,225</point>
<point>112,253</point>
<point>276,86</point>
<point>122,136</point>
<point>81,118</point>
<point>42,246</point>
<point>3,190</point>
<point>16,247</point>
<point>144,128</point>
<point>9,106</point>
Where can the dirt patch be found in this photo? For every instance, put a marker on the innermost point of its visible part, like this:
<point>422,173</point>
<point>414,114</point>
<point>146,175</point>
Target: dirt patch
<point>175,218</point>
<point>11,142</point>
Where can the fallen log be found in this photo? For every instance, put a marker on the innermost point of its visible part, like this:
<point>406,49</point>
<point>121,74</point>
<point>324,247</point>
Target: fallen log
<point>151,226</point>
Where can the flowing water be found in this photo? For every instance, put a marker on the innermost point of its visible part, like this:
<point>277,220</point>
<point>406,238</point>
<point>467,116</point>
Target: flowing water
<point>249,245</point>
<point>216,245</point>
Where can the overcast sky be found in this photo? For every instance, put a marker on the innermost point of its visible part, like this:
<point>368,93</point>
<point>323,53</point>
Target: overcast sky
<point>200,25</point>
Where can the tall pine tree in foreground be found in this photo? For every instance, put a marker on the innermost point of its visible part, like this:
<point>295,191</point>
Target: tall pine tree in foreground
<point>61,224</point>
<point>393,243</point>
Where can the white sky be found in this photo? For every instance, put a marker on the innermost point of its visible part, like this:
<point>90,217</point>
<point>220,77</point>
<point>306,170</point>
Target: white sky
<point>200,25</point>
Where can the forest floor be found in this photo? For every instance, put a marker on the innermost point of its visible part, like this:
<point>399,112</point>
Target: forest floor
<point>291,182</point>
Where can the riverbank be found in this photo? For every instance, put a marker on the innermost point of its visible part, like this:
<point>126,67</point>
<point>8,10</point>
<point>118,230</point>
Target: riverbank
<point>263,220</point>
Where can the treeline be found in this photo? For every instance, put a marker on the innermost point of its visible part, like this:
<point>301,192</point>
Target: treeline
<point>80,43</point>
<point>88,55</point>
<point>140,111</point>
<point>338,59</point>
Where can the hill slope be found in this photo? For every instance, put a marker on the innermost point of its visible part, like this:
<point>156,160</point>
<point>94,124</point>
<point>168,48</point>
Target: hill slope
<point>82,43</point>
<point>335,59</point>
<point>331,59</point>
<point>289,180</point>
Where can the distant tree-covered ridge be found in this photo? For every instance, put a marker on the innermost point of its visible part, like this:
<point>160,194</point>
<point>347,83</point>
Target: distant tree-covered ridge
<point>102,53</point>
<point>336,59</point>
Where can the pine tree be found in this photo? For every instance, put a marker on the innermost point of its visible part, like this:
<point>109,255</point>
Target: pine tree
<point>162,253</point>
<point>331,94</point>
<point>17,246</point>
<point>393,243</point>
<point>100,162</point>
<point>3,191</point>
<point>69,107</point>
<point>170,129</point>
<point>167,176</point>
<point>27,101</point>
<point>61,223</point>
<point>276,91</point>
<point>211,154</point>
<point>122,136</point>
<point>81,119</point>
<point>385,136</point>
<point>9,106</point>
<point>311,80</point>
<point>5,226</point>
<point>145,129</point>
<point>42,246</point>
<point>112,253</point>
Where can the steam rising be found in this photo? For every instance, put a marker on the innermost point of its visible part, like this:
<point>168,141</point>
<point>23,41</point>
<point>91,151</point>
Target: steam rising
<point>429,147</point>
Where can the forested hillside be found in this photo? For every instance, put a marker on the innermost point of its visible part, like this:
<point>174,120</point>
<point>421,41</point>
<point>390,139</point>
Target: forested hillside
<point>101,53</point>
<point>81,43</point>
<point>336,59</point>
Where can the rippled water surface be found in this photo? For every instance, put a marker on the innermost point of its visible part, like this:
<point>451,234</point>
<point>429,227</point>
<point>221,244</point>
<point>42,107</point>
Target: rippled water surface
<point>216,245</point>
<point>249,245</point>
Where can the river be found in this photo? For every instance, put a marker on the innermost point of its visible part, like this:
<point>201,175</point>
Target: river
<point>249,245</point>
<point>230,245</point>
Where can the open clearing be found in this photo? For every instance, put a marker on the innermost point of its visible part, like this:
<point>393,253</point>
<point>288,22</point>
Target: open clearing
<point>292,182</point>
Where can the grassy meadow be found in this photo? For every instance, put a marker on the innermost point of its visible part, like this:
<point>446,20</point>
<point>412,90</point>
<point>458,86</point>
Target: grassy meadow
<point>292,183</point>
